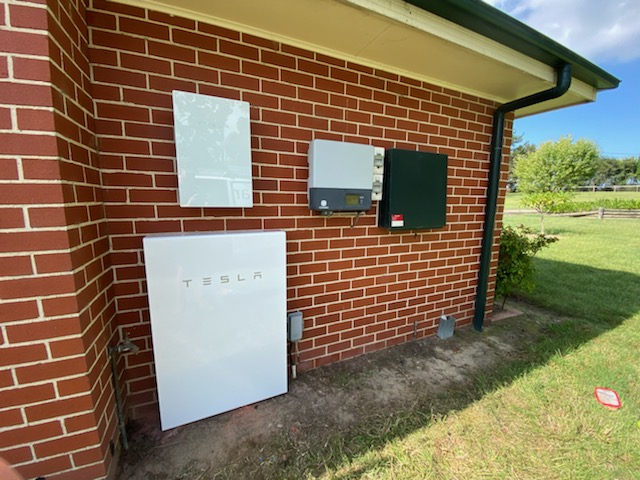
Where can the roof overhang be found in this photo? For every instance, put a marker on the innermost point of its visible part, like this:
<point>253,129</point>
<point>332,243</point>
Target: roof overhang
<point>465,45</point>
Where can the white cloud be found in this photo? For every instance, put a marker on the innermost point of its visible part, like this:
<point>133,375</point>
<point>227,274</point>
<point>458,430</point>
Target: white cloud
<point>602,31</point>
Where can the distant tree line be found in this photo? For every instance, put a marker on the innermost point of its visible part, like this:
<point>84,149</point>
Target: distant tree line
<point>616,171</point>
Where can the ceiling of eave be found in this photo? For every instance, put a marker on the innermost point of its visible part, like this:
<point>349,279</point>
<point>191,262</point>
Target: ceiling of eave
<point>390,35</point>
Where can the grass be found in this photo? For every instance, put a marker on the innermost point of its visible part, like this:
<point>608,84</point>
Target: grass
<point>534,417</point>
<point>512,200</point>
<point>593,271</point>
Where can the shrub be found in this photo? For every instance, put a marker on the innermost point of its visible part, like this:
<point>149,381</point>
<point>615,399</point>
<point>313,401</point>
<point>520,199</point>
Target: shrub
<point>608,203</point>
<point>518,245</point>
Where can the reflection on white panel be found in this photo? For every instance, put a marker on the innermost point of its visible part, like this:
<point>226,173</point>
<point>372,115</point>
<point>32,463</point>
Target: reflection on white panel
<point>213,150</point>
<point>218,321</point>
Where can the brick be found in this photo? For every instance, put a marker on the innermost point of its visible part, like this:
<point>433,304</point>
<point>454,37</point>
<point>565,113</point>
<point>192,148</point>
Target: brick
<point>41,330</point>
<point>143,130</point>
<point>31,17</point>
<point>86,457</point>
<point>329,85</point>
<point>47,217</point>
<point>196,73</point>
<point>143,28</point>
<point>129,211</point>
<point>192,39</point>
<point>329,112</point>
<point>218,61</point>
<point>36,286</point>
<point>18,397</point>
<point>24,43</point>
<point>59,306</point>
<point>20,310</point>
<point>6,123</point>
<point>169,84</point>
<point>279,59</point>
<point>218,31</point>
<point>117,41</point>
<point>103,20</point>
<point>260,70</point>
<point>175,52</point>
<point>12,356</point>
<point>239,81</point>
<point>73,386</point>
<point>45,468</point>
<point>124,145</point>
<point>11,218</point>
<point>239,50</point>
<point>83,421</point>
<point>144,64</point>
<point>119,77</point>
<point>33,241</point>
<point>32,119</point>
<point>51,370</point>
<point>58,408</point>
<point>296,78</point>
<point>31,69</point>
<point>17,455</point>
<point>28,144</point>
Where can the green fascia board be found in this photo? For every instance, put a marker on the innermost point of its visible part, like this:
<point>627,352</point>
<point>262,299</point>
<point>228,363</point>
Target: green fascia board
<point>488,21</point>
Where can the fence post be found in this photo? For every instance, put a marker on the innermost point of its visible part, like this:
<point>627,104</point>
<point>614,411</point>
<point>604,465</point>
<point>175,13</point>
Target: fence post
<point>601,213</point>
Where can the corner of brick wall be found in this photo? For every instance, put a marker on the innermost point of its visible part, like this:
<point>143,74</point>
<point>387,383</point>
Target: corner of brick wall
<point>56,412</point>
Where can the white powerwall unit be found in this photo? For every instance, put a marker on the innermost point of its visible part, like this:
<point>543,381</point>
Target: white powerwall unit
<point>218,321</point>
<point>213,151</point>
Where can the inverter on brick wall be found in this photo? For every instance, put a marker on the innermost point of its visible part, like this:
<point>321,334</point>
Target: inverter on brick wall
<point>414,190</point>
<point>341,176</point>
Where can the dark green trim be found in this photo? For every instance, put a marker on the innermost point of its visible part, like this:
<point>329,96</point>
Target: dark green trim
<point>482,18</point>
<point>563,82</point>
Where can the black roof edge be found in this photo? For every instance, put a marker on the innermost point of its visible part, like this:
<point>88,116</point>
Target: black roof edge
<point>486,20</point>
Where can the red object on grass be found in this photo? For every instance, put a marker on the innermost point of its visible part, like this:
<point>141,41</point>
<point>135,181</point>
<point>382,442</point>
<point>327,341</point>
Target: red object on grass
<point>608,397</point>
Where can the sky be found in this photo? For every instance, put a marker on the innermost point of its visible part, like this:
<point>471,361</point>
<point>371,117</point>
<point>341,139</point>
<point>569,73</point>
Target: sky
<point>607,33</point>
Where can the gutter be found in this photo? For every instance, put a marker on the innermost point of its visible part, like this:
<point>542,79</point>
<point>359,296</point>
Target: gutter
<point>563,82</point>
<point>480,17</point>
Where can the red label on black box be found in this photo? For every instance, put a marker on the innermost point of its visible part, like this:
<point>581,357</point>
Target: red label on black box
<point>397,220</point>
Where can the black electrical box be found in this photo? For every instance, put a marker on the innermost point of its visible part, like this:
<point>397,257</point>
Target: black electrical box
<point>414,190</point>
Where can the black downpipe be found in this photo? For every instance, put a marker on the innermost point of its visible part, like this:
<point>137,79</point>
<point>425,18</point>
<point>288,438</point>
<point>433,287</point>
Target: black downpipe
<point>563,82</point>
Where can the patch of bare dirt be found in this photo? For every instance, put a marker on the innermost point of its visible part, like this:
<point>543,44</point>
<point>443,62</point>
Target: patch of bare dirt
<point>320,404</point>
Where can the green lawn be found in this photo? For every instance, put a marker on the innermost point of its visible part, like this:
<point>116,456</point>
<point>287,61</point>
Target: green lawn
<point>538,418</point>
<point>512,200</point>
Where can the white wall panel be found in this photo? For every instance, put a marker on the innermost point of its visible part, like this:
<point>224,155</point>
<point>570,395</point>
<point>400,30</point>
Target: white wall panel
<point>213,151</point>
<point>218,321</point>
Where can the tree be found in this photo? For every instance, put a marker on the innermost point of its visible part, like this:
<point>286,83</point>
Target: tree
<point>518,149</point>
<point>546,175</point>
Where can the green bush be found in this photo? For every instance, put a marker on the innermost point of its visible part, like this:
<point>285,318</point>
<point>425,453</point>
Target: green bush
<point>608,203</point>
<point>518,245</point>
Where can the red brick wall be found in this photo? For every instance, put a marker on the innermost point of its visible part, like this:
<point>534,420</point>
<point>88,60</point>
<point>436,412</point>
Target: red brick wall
<point>56,400</point>
<point>360,289</point>
<point>67,215</point>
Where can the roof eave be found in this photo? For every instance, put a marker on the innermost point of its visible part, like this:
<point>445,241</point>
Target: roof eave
<point>492,23</point>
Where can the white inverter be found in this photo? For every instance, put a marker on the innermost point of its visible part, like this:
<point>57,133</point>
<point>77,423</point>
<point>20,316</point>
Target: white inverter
<point>218,321</point>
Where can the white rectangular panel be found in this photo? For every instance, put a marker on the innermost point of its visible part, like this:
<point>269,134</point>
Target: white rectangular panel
<point>334,164</point>
<point>213,151</point>
<point>218,321</point>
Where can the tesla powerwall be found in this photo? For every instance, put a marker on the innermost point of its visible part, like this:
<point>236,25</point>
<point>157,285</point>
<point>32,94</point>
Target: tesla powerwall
<point>213,151</point>
<point>218,321</point>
